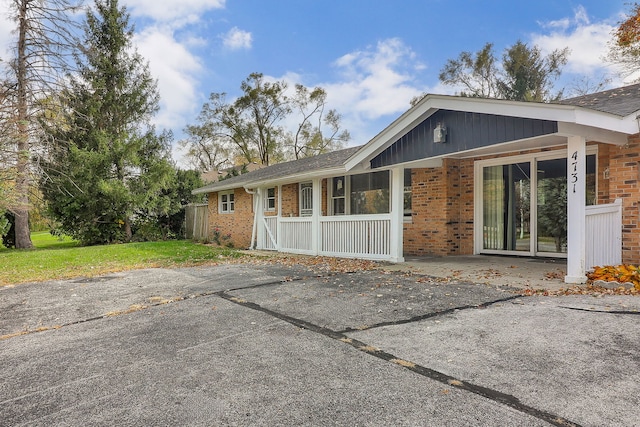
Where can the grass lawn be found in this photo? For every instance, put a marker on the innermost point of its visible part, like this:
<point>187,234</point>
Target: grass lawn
<point>57,259</point>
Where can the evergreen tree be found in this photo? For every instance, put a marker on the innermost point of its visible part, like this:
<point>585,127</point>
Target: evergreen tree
<point>110,167</point>
<point>525,74</point>
<point>528,75</point>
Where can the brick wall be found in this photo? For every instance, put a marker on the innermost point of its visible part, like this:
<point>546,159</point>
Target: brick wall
<point>443,206</point>
<point>624,173</point>
<point>290,200</point>
<point>237,224</point>
<point>442,210</point>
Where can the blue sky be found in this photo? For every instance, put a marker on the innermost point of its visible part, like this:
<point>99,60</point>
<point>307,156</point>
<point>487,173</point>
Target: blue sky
<point>371,57</point>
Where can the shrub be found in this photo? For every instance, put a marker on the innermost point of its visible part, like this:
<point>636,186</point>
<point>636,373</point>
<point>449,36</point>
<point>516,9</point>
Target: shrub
<point>221,239</point>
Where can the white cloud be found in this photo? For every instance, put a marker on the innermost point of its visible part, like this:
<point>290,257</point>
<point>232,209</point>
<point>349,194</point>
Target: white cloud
<point>586,40</point>
<point>373,84</point>
<point>377,81</point>
<point>236,39</point>
<point>6,26</point>
<point>176,70</point>
<point>172,10</point>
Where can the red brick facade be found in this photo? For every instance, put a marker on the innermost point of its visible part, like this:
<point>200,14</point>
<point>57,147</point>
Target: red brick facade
<point>624,176</point>
<point>238,225</point>
<point>442,221</point>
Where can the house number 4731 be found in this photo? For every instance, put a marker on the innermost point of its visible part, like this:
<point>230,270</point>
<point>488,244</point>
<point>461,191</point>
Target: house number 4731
<point>574,170</point>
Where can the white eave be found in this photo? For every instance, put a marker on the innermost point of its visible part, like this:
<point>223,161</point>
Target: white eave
<point>570,119</point>
<point>263,183</point>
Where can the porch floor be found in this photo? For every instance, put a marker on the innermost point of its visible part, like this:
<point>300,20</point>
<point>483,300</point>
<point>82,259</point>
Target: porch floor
<point>518,272</point>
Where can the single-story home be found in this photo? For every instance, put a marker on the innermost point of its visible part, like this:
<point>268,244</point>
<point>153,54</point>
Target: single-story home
<point>457,176</point>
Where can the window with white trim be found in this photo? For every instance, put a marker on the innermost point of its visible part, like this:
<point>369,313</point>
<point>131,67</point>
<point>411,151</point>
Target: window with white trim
<point>270,200</point>
<point>306,199</point>
<point>227,202</point>
<point>366,193</point>
<point>369,193</point>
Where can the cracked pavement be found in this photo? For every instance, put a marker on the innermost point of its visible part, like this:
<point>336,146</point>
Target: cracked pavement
<point>281,345</point>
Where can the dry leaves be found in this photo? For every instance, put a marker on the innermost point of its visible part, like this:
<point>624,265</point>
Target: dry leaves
<point>589,289</point>
<point>619,273</point>
<point>318,264</point>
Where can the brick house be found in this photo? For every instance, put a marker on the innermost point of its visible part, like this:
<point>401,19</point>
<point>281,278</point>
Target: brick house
<point>458,176</point>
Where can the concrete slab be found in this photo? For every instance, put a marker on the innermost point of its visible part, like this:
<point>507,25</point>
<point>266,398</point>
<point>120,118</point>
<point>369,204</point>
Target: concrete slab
<point>518,272</point>
<point>575,356</point>
<point>368,299</point>
<point>29,306</point>
<point>269,344</point>
<point>206,362</point>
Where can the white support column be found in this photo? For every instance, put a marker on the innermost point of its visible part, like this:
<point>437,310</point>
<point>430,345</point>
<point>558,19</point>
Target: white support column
<point>397,214</point>
<point>576,242</point>
<point>315,217</point>
<point>260,231</point>
<point>278,222</point>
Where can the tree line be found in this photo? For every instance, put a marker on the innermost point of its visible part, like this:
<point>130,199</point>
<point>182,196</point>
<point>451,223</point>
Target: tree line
<point>77,102</point>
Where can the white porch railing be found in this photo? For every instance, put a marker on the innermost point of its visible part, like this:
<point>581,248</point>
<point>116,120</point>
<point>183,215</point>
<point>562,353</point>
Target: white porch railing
<point>296,235</point>
<point>353,236</point>
<point>359,236</point>
<point>603,225</point>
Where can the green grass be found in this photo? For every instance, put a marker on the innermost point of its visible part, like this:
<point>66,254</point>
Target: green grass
<point>44,239</point>
<point>58,259</point>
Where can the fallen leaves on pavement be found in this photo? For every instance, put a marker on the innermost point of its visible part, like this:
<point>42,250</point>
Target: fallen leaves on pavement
<point>588,289</point>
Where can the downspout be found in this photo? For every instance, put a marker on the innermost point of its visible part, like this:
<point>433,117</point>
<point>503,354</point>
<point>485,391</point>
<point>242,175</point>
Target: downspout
<point>254,227</point>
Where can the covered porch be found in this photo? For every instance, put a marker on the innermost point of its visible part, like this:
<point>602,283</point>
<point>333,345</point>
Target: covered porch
<point>593,233</point>
<point>318,230</point>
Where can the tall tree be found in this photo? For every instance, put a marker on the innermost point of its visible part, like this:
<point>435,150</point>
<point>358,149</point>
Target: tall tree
<point>44,32</point>
<point>256,127</point>
<point>523,75</point>
<point>475,73</point>
<point>309,138</point>
<point>110,166</point>
<point>207,145</point>
<point>254,119</point>
<point>528,75</point>
<point>624,50</point>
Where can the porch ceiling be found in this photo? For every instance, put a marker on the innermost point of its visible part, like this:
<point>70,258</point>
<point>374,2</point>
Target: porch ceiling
<point>545,141</point>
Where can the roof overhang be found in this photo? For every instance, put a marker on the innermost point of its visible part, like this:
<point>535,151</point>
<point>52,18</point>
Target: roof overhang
<point>270,182</point>
<point>295,178</point>
<point>572,120</point>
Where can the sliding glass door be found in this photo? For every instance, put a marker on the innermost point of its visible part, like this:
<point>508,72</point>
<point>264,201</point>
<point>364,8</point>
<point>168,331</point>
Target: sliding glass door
<point>551,221</point>
<point>506,210</point>
<point>525,213</point>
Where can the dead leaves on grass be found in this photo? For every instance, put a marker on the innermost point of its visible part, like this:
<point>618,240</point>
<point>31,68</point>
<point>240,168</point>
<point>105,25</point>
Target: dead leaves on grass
<point>317,264</point>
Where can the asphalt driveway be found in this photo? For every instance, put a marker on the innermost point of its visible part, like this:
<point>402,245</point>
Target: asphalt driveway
<point>257,344</point>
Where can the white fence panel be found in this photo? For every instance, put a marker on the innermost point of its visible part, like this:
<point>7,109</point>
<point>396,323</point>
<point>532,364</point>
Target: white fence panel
<point>270,234</point>
<point>362,236</point>
<point>603,234</point>
<point>296,235</point>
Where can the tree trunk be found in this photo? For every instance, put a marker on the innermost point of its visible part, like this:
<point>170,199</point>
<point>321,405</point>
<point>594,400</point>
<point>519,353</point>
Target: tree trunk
<point>127,229</point>
<point>21,210</point>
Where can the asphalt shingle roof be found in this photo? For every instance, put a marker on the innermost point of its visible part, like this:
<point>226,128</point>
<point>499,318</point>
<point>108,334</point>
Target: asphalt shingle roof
<point>621,101</point>
<point>280,170</point>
